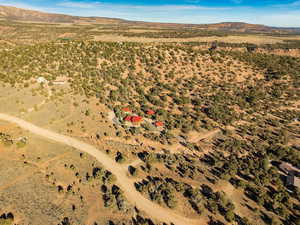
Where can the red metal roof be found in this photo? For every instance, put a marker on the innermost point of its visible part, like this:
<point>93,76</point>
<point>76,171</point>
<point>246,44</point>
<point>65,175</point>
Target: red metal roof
<point>133,119</point>
<point>150,112</point>
<point>126,109</point>
<point>128,118</point>
<point>159,124</point>
<point>136,119</point>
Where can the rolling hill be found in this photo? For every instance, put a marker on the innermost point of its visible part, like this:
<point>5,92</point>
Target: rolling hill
<point>24,15</point>
<point>17,14</point>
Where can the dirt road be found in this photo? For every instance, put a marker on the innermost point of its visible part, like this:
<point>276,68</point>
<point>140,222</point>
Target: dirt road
<point>134,197</point>
<point>205,135</point>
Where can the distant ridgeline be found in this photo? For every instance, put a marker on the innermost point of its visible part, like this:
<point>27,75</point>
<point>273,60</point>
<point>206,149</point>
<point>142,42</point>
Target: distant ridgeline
<point>196,32</point>
<point>287,44</point>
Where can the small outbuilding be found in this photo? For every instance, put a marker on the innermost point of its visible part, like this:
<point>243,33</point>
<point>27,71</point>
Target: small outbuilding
<point>150,112</point>
<point>126,109</point>
<point>292,181</point>
<point>128,118</point>
<point>41,80</point>
<point>214,46</point>
<point>133,119</point>
<point>60,80</point>
<point>159,124</point>
<point>251,47</point>
<point>136,119</point>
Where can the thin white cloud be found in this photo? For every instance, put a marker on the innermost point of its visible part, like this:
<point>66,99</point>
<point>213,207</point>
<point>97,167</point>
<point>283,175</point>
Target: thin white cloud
<point>171,7</point>
<point>237,1</point>
<point>81,5</point>
<point>95,5</point>
<point>287,5</point>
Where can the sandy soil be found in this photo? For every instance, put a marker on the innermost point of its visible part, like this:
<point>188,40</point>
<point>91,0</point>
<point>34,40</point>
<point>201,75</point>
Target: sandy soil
<point>204,135</point>
<point>43,102</point>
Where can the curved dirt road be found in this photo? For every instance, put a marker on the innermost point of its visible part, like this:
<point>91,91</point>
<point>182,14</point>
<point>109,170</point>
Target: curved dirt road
<point>153,210</point>
<point>206,135</point>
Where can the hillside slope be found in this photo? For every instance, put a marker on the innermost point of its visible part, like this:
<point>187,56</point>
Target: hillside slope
<point>13,13</point>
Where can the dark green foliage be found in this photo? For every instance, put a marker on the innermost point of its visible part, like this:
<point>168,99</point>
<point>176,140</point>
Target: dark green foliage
<point>7,219</point>
<point>120,158</point>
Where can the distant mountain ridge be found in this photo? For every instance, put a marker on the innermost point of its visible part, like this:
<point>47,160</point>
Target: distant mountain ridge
<point>17,14</point>
<point>12,13</point>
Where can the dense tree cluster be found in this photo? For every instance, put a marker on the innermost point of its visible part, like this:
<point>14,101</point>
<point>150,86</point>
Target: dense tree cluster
<point>6,139</point>
<point>7,219</point>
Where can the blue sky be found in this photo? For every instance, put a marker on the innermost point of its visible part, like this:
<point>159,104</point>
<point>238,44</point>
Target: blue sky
<point>284,13</point>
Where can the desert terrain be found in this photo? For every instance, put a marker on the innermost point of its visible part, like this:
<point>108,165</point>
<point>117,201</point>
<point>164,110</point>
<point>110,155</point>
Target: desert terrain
<point>113,122</point>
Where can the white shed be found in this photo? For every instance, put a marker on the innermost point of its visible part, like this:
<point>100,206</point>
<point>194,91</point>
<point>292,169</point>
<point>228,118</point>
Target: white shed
<point>41,80</point>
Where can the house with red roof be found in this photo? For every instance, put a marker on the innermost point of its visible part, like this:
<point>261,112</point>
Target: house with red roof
<point>136,119</point>
<point>150,112</point>
<point>159,124</point>
<point>133,119</point>
<point>126,109</point>
<point>128,118</point>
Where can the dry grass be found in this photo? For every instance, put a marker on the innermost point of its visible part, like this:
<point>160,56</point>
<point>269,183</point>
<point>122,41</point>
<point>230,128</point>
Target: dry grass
<point>255,39</point>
